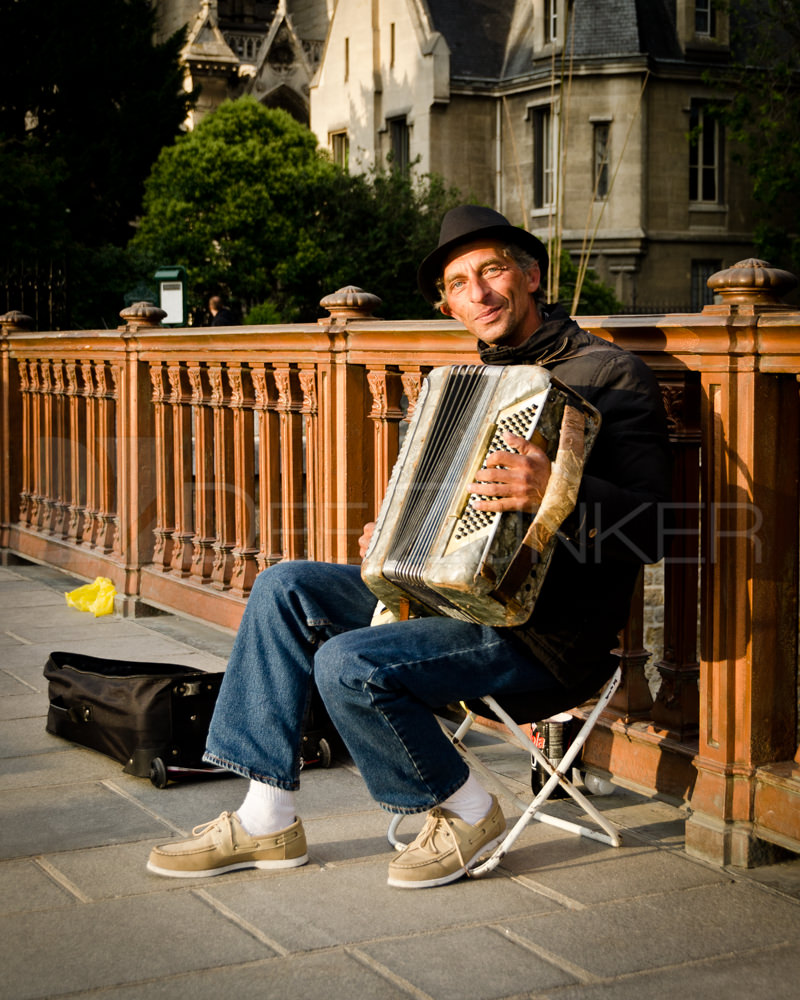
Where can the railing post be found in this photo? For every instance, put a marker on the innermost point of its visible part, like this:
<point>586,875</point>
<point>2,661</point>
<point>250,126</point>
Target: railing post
<point>750,494</point>
<point>349,500</point>
<point>136,455</point>
<point>10,425</point>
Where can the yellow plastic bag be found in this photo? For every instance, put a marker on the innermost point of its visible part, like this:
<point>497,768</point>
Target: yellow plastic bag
<point>97,597</point>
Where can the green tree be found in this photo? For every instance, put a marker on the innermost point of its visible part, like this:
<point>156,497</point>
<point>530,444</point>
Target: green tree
<point>86,102</point>
<point>596,298</point>
<point>763,114</point>
<point>251,208</point>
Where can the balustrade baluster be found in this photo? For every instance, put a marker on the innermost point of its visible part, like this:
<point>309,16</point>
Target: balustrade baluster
<point>165,489</point>
<point>48,446</point>
<point>26,477</point>
<point>314,465</point>
<point>223,478</point>
<point>245,565</point>
<point>204,538</point>
<point>269,469</point>
<point>62,450</point>
<point>180,399</point>
<point>632,699</point>
<point>106,523</point>
<point>291,438</point>
<point>92,436</point>
<point>412,384</point>
<point>77,456</point>
<point>677,704</point>
<point>37,447</point>
<point>386,388</point>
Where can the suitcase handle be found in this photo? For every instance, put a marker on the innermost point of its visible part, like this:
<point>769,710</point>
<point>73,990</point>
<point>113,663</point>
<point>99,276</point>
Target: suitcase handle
<point>77,713</point>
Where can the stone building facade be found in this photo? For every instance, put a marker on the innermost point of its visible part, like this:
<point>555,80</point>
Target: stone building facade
<point>587,121</point>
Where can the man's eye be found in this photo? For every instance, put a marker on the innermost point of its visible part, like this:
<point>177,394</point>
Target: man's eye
<point>455,285</point>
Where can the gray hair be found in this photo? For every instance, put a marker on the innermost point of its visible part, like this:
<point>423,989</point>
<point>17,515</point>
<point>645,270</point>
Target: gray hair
<point>518,257</point>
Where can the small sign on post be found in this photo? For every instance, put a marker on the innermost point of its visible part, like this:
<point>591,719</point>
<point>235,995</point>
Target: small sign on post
<point>172,294</point>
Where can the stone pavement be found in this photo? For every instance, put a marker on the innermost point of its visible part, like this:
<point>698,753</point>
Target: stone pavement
<point>563,918</point>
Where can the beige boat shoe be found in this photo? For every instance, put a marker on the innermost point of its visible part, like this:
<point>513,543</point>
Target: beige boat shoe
<point>445,848</point>
<point>223,845</point>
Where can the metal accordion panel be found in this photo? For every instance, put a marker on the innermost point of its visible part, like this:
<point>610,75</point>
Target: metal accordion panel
<point>431,552</point>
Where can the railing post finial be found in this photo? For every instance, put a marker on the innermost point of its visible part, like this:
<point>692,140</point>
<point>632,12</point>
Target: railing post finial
<point>750,286</point>
<point>142,314</point>
<point>15,320</point>
<point>349,303</point>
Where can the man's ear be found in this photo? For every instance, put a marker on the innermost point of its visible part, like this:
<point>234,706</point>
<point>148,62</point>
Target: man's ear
<point>534,277</point>
<point>444,309</point>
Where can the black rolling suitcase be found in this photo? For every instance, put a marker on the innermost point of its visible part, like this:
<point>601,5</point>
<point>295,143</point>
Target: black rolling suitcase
<point>151,717</point>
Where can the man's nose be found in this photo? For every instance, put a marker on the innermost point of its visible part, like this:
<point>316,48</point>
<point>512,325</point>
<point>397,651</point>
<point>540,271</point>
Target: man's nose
<point>478,288</point>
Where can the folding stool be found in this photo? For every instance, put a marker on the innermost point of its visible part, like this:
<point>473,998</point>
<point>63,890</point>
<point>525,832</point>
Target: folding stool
<point>558,776</point>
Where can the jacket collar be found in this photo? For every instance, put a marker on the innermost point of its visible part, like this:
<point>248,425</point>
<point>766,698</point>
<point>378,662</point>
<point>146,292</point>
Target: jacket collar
<point>555,340</point>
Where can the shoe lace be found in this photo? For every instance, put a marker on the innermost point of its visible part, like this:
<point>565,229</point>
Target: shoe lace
<point>198,831</point>
<point>435,823</point>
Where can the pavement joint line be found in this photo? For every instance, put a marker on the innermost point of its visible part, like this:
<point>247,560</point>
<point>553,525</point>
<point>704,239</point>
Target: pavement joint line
<point>19,638</point>
<point>577,971</point>
<point>60,879</point>
<point>18,678</point>
<point>240,922</point>
<point>109,784</point>
<point>385,973</point>
<point>692,963</point>
<point>558,897</point>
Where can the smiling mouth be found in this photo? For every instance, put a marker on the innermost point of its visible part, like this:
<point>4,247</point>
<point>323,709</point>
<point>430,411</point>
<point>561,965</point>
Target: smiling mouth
<point>489,314</point>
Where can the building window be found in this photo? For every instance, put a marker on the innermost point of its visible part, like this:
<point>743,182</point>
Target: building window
<point>550,20</point>
<point>543,173</point>
<point>399,143</point>
<point>706,149</point>
<point>602,131</point>
<point>704,18</point>
<point>701,272</point>
<point>340,148</point>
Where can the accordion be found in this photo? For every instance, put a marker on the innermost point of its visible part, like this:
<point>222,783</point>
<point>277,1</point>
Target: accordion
<point>431,552</point>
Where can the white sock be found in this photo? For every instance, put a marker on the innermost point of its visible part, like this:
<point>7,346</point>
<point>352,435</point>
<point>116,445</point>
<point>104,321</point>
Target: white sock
<point>471,802</point>
<point>266,809</point>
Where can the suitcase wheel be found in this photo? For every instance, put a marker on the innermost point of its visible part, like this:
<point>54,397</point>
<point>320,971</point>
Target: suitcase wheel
<point>158,773</point>
<point>324,753</point>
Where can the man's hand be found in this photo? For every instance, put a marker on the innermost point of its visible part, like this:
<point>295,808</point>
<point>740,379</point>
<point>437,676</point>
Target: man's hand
<point>366,536</point>
<point>518,481</point>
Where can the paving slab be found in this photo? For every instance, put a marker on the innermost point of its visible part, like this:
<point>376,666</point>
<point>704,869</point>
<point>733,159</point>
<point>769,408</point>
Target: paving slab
<point>334,975</point>
<point>26,886</point>
<point>659,929</point>
<point>470,963</point>
<point>42,820</point>
<point>58,951</point>
<point>771,973</point>
<point>351,904</point>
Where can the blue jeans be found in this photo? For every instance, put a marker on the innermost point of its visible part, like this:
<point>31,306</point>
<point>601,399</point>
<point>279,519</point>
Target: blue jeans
<point>380,684</point>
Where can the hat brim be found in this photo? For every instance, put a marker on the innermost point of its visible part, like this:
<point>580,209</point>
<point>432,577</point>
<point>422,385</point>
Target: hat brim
<point>430,270</point>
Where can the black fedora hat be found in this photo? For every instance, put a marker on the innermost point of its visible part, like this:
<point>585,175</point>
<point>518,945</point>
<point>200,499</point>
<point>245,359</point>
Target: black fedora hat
<point>468,223</point>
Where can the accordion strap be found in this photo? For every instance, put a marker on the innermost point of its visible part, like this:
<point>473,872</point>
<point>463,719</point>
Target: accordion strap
<point>560,497</point>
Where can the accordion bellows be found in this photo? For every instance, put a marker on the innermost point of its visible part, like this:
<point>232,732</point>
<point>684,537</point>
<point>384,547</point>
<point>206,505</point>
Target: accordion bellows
<point>431,552</point>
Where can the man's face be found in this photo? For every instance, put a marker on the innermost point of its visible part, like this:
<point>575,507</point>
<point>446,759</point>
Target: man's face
<point>489,294</point>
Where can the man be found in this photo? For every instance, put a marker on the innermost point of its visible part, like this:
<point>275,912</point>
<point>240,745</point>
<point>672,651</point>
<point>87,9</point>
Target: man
<point>220,314</point>
<point>307,620</point>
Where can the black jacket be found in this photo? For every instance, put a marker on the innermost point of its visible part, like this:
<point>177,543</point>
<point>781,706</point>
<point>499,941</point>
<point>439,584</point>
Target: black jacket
<point>617,524</point>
